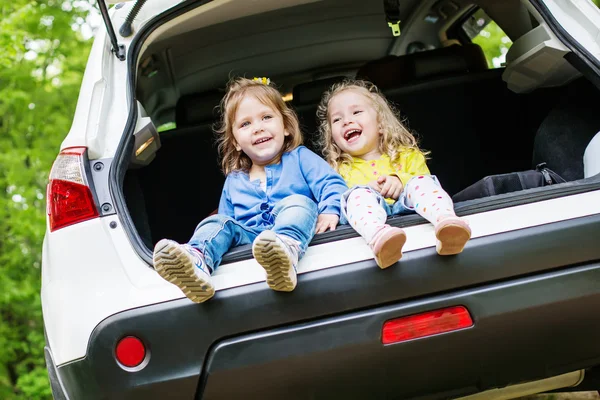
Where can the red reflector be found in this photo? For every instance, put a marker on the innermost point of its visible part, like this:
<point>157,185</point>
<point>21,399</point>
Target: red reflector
<point>69,203</point>
<point>130,351</point>
<point>76,151</point>
<point>426,324</point>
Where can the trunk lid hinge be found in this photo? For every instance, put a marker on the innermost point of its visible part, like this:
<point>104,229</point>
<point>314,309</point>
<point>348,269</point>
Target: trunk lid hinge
<point>118,49</point>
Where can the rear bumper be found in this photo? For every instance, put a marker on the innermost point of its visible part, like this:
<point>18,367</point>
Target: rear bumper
<point>525,329</point>
<point>58,391</point>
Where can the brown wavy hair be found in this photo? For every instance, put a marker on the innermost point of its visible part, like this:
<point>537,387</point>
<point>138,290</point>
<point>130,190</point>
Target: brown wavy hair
<point>237,89</point>
<point>396,137</point>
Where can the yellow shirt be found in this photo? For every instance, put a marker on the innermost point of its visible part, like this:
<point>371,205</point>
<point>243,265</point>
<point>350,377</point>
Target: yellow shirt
<point>410,163</point>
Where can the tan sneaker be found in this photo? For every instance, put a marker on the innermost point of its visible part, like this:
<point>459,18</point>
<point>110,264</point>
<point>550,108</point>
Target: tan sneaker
<point>278,255</point>
<point>452,235</point>
<point>184,266</point>
<point>387,246</point>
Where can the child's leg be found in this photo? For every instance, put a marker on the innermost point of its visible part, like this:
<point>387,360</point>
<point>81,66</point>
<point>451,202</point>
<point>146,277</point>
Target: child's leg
<point>428,199</point>
<point>367,216</point>
<point>364,212</point>
<point>278,250</point>
<point>296,218</point>
<point>215,235</point>
<point>189,265</point>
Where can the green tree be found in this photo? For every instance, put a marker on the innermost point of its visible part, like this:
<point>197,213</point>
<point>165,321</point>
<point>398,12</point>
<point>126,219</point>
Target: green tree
<point>41,64</point>
<point>494,43</point>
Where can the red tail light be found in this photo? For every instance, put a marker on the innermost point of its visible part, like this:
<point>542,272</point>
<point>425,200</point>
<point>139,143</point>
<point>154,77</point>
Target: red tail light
<point>426,324</point>
<point>130,351</point>
<point>69,198</point>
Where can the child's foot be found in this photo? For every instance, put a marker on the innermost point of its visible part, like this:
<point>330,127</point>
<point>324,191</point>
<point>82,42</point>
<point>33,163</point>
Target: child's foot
<point>184,266</point>
<point>452,234</point>
<point>387,246</point>
<point>278,255</point>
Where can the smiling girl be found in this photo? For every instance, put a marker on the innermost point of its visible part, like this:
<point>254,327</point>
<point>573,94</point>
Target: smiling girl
<point>276,196</point>
<point>379,158</point>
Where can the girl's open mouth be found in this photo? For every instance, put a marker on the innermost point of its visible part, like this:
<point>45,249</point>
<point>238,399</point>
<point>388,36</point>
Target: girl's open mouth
<point>353,135</point>
<point>262,140</point>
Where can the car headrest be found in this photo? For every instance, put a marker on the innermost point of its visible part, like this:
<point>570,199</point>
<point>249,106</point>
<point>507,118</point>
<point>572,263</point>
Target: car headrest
<point>311,92</point>
<point>197,108</point>
<point>393,71</point>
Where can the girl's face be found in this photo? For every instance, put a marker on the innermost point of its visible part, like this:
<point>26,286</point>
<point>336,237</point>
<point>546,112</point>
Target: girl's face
<point>354,125</point>
<point>259,131</point>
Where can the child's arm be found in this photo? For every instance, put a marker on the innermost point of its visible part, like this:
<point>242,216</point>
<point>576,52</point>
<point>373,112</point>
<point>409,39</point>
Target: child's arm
<point>414,165</point>
<point>389,186</point>
<point>225,205</point>
<point>327,186</point>
<point>327,221</point>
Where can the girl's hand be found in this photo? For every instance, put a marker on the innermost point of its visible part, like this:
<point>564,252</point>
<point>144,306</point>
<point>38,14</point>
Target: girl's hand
<point>375,186</point>
<point>327,221</point>
<point>391,186</point>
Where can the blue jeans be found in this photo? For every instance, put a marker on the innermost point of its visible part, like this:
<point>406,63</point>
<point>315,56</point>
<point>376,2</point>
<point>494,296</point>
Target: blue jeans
<point>295,217</point>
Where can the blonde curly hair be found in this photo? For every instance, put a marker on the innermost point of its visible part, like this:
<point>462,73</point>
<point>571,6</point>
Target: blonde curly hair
<point>396,137</point>
<point>237,89</point>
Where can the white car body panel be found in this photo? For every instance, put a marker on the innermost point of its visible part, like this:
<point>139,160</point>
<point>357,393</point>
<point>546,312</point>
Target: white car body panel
<point>102,107</point>
<point>581,18</point>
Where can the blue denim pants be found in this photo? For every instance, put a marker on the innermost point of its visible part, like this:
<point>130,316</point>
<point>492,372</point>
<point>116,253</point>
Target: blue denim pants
<point>295,217</point>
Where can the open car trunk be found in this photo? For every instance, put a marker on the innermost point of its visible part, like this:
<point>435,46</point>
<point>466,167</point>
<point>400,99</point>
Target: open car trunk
<point>475,121</point>
<point>472,124</point>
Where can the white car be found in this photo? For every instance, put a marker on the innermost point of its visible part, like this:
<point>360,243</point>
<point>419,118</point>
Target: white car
<point>516,313</point>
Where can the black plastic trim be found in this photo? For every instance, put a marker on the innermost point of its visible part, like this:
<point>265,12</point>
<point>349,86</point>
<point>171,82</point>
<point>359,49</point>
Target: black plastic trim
<point>89,179</point>
<point>58,390</point>
<point>99,171</point>
<point>320,358</point>
<point>180,333</point>
<point>585,69</point>
<point>323,356</point>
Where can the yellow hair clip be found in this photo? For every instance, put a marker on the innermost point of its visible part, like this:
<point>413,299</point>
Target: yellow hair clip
<point>263,80</point>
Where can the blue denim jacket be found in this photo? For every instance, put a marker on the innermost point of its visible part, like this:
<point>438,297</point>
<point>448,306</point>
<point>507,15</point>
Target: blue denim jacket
<point>300,172</point>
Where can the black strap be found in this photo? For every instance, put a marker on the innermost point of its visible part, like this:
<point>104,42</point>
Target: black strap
<point>550,176</point>
<point>392,10</point>
<point>392,15</point>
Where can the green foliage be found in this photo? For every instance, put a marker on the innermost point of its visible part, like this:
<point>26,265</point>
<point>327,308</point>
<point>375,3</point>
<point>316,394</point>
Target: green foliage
<point>494,43</point>
<point>42,60</point>
<point>41,64</point>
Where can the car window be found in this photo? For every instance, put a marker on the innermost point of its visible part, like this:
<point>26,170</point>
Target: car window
<point>480,28</point>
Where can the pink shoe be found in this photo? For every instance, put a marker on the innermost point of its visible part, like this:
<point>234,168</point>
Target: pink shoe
<point>387,246</point>
<point>452,234</point>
